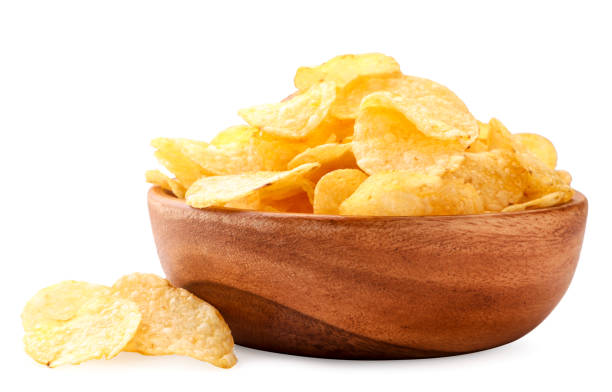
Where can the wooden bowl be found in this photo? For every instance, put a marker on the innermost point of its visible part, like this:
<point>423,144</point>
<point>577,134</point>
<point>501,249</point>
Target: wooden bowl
<point>371,287</point>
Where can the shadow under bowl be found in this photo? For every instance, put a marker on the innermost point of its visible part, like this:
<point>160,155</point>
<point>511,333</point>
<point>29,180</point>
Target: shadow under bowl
<point>371,287</point>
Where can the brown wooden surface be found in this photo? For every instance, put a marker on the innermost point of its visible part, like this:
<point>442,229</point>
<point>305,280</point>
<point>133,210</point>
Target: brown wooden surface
<point>371,287</point>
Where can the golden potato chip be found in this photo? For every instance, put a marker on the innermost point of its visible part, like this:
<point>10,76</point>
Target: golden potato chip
<point>299,203</point>
<point>348,99</point>
<point>545,201</point>
<point>334,187</point>
<point>174,321</point>
<point>499,136</point>
<point>386,139</point>
<point>220,190</point>
<point>541,179</point>
<point>565,176</point>
<point>497,176</point>
<point>402,193</point>
<point>100,328</point>
<point>295,118</point>
<point>169,154</point>
<point>158,178</point>
<point>331,156</point>
<point>241,149</point>
<point>343,69</point>
<point>59,302</point>
<point>484,132</point>
<point>539,146</point>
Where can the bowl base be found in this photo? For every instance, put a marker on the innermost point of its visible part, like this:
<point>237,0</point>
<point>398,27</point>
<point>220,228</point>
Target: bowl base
<point>262,324</point>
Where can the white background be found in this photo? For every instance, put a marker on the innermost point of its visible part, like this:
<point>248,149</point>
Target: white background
<point>85,85</point>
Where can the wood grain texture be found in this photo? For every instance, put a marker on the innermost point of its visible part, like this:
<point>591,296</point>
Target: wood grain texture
<point>371,287</point>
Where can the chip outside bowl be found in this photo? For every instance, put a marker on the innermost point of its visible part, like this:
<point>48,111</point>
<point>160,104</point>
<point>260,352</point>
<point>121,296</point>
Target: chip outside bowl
<point>371,287</point>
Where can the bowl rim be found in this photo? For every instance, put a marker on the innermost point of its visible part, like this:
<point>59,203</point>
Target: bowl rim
<point>166,197</point>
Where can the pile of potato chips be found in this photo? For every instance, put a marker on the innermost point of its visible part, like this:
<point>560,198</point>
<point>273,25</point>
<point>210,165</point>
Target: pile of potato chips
<point>72,322</point>
<point>358,137</point>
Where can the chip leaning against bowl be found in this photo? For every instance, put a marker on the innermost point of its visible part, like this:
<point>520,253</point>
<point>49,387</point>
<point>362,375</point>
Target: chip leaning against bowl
<point>358,137</point>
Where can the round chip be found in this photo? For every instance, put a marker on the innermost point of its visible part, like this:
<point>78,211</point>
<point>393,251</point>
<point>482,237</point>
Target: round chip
<point>348,99</point>
<point>220,190</point>
<point>342,69</point>
<point>296,118</point>
<point>539,146</point>
<point>334,187</point>
<point>330,156</point>
<point>392,133</point>
<point>403,193</point>
<point>174,321</point>
<point>59,302</point>
<point>100,328</point>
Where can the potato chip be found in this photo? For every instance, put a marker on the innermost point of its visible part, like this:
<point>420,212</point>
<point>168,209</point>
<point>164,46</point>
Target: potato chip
<point>498,177</point>
<point>545,201</point>
<point>539,146</point>
<point>348,99</point>
<point>386,139</point>
<point>402,193</point>
<point>100,328</point>
<point>541,179</point>
<point>330,156</point>
<point>220,190</point>
<point>335,187</point>
<point>170,184</point>
<point>169,154</point>
<point>299,203</point>
<point>295,118</point>
<point>499,136</point>
<point>241,149</point>
<point>174,321</point>
<point>59,302</point>
<point>343,69</point>
<point>565,176</point>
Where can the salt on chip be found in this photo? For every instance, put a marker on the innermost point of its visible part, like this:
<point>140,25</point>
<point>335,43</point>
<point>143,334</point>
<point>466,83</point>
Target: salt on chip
<point>220,190</point>
<point>170,155</point>
<point>59,302</point>
<point>330,156</point>
<point>101,328</point>
<point>342,69</point>
<point>174,321</point>
<point>549,200</point>
<point>387,137</point>
<point>497,175</point>
<point>335,187</point>
<point>403,193</point>
<point>158,178</point>
<point>348,99</point>
<point>539,146</point>
<point>295,118</point>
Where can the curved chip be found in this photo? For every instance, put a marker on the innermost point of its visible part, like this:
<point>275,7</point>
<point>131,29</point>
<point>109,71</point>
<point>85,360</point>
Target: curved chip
<point>241,149</point>
<point>100,328</point>
<point>296,118</point>
<point>59,302</point>
<point>174,321</point>
<point>549,200</point>
<point>335,187</point>
<point>498,176</point>
<point>348,99</point>
<point>539,146</point>
<point>403,193</point>
<point>386,139</point>
<point>170,155</point>
<point>158,178</point>
<point>330,156</point>
<point>220,190</point>
<point>342,69</point>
